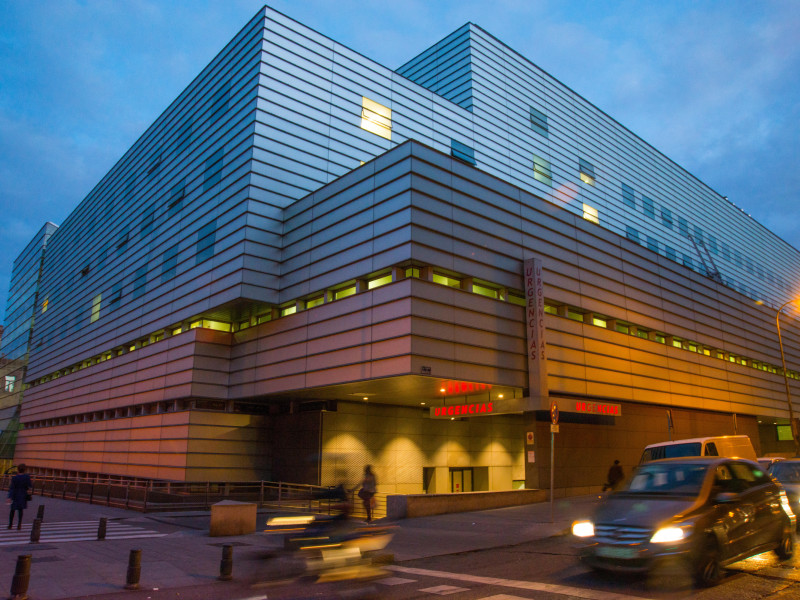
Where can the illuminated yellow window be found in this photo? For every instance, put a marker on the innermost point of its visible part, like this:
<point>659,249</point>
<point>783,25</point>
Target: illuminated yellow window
<point>642,333</point>
<point>264,318</point>
<point>96,308</point>
<point>195,324</point>
<point>216,325</point>
<point>677,342</point>
<point>590,214</point>
<point>574,314</point>
<point>344,292</point>
<point>660,338</point>
<point>693,347</point>
<point>312,302</point>
<point>599,321</point>
<point>376,118</point>
<point>551,309</point>
<point>412,272</point>
<point>707,351</point>
<point>157,337</point>
<point>519,300</point>
<point>622,327</point>
<point>586,170</point>
<point>176,331</point>
<point>484,291</point>
<point>373,283</point>
<point>44,305</point>
<point>448,281</point>
<point>288,310</point>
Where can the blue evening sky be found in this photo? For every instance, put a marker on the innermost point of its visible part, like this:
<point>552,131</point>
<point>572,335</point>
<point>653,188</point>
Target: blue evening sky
<point>714,85</point>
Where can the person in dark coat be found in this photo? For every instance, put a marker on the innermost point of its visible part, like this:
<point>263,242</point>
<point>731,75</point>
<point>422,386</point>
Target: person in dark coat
<point>18,495</point>
<point>615,476</point>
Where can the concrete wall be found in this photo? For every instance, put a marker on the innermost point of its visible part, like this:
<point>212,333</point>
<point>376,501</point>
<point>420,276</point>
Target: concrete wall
<point>425,505</point>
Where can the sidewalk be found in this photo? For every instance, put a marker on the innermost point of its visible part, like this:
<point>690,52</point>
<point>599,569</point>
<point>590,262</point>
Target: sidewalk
<point>186,556</point>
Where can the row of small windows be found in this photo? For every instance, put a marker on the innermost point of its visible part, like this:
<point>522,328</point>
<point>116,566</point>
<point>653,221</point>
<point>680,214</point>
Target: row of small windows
<point>598,320</point>
<point>418,272</point>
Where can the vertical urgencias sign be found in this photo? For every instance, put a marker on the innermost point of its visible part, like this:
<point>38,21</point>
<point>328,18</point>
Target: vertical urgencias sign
<point>534,315</point>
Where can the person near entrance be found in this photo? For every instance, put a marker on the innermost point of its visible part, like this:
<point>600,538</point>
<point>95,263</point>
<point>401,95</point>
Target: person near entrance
<point>19,494</point>
<point>615,476</point>
<point>369,485</point>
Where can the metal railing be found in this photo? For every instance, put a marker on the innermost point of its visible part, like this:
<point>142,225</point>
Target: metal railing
<point>161,496</point>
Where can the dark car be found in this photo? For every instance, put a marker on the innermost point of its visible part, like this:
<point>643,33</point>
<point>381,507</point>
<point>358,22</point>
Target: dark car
<point>788,473</point>
<point>703,513</point>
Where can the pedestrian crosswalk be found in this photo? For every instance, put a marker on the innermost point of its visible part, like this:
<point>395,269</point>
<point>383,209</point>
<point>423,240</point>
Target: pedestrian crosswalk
<point>74,531</point>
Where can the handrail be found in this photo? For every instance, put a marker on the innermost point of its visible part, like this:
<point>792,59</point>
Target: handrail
<point>162,495</point>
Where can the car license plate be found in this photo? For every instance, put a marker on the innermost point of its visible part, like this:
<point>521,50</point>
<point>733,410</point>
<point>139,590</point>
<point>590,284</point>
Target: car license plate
<point>624,552</point>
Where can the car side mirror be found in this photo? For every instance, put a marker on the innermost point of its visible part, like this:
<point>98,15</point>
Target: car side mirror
<point>725,497</point>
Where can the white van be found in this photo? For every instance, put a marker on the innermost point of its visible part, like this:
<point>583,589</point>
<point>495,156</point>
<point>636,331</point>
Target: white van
<point>734,446</point>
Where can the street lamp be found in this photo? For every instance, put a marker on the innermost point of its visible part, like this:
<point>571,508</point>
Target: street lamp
<point>792,423</point>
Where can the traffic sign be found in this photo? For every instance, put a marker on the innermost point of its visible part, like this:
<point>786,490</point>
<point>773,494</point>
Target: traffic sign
<point>554,413</point>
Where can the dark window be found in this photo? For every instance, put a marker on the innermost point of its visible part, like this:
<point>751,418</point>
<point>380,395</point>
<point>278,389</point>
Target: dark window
<point>587,171</point>
<point>687,261</point>
<point>462,152</point>
<point>726,254</point>
<point>541,170</point>
<point>632,234</point>
<point>183,135</point>
<point>671,253</point>
<point>122,241</point>
<point>666,217</point>
<point>206,237</point>
<point>737,257</point>
<point>175,201</point>
<point>628,197</point>
<point>698,234</point>
<point>140,281</point>
<point>648,207</point>
<point>169,264</point>
<point>539,122</point>
<point>220,101</point>
<point>116,294</point>
<point>683,226</point>
<point>652,244</point>
<point>147,220</point>
<point>155,164</point>
<point>712,244</point>
<point>213,170</point>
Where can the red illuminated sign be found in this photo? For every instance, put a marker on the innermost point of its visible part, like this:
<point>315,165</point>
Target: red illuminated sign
<point>463,410</point>
<point>597,408</point>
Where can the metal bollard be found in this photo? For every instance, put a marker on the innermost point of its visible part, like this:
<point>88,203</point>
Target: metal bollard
<point>134,570</point>
<point>40,512</point>
<point>36,530</point>
<point>226,564</point>
<point>101,528</point>
<point>21,579</point>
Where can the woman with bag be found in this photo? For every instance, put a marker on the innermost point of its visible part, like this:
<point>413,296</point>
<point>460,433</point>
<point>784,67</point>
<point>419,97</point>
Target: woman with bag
<point>367,492</point>
<point>18,495</point>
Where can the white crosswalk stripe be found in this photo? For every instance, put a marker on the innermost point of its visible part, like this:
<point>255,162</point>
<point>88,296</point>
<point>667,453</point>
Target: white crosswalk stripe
<point>74,531</point>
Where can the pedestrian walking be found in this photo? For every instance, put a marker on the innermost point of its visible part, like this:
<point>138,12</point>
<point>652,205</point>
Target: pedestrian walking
<point>367,492</point>
<point>615,476</point>
<point>18,495</point>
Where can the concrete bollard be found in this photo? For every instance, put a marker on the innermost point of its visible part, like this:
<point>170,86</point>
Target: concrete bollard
<point>134,570</point>
<point>40,512</point>
<point>101,528</point>
<point>21,579</point>
<point>226,564</point>
<point>36,531</point>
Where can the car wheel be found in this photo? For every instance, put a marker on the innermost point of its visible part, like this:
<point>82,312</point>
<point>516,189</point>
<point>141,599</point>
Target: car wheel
<point>707,569</point>
<point>785,549</point>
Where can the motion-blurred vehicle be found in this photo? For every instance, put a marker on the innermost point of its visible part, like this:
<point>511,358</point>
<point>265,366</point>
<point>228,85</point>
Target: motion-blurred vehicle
<point>733,446</point>
<point>787,472</point>
<point>702,513</point>
<point>767,461</point>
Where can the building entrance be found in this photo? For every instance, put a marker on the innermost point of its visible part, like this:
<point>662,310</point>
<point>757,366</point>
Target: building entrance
<point>460,479</point>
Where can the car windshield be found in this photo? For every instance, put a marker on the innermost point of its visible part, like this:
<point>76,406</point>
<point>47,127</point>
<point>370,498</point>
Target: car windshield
<point>679,479</point>
<point>786,472</point>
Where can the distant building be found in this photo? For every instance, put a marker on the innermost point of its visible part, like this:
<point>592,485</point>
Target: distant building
<point>310,262</point>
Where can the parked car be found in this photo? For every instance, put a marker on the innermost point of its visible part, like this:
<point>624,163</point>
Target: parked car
<point>733,446</point>
<point>767,461</point>
<point>704,513</point>
<point>788,473</point>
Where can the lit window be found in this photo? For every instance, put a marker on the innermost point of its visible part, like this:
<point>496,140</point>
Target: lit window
<point>216,325</point>
<point>96,308</point>
<point>344,292</point>
<point>379,281</point>
<point>660,338</point>
<point>586,171</point>
<point>462,152</point>
<point>264,318</point>
<point>10,383</point>
<point>312,302</point>
<point>518,300</point>
<point>412,272</point>
<point>444,280</point>
<point>539,121</point>
<point>598,321</point>
<point>628,197</point>
<point>642,333</point>
<point>574,314</point>
<point>622,327</point>
<point>551,309</point>
<point>541,170</point>
<point>485,291</point>
<point>590,214</point>
<point>376,118</point>
<point>288,310</point>
<point>677,342</point>
<point>44,305</point>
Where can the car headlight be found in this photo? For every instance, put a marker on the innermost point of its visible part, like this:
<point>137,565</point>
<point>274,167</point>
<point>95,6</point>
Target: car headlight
<point>668,534</point>
<point>583,528</point>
